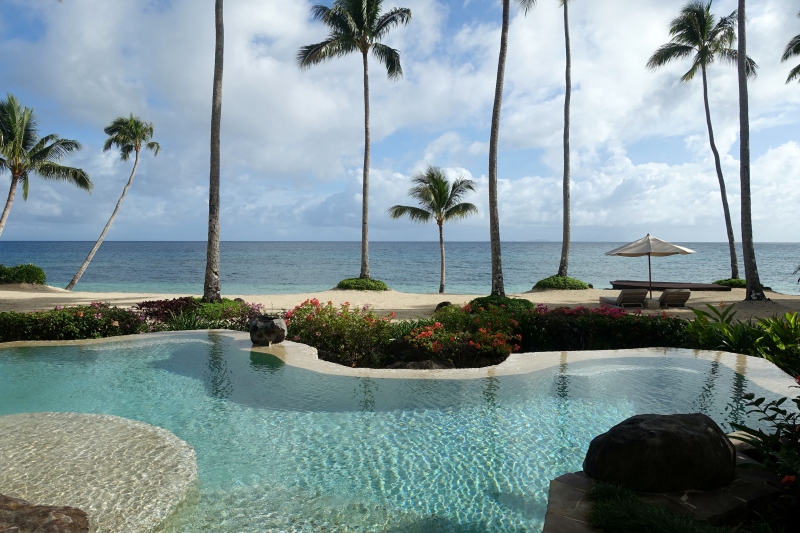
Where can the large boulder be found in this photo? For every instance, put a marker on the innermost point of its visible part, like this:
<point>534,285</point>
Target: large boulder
<point>20,516</point>
<point>266,330</point>
<point>663,453</point>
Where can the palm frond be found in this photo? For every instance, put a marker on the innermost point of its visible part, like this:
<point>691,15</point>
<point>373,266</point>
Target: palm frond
<point>129,134</point>
<point>697,65</point>
<point>387,21</point>
<point>460,211</point>
<point>76,176</point>
<point>51,148</point>
<point>414,213</point>
<point>459,189</point>
<point>154,147</point>
<point>390,58</point>
<point>731,57</point>
<point>24,179</point>
<point>794,73</point>
<point>526,5</point>
<point>667,53</point>
<point>314,54</point>
<point>792,49</point>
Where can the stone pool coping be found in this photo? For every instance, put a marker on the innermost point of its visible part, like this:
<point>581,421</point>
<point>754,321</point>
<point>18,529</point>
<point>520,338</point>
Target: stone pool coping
<point>128,476</point>
<point>758,370</point>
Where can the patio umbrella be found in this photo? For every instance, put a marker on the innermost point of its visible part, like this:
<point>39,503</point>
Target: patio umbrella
<point>650,246</point>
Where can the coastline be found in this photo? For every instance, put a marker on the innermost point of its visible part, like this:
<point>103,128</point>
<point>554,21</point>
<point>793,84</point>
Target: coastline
<point>25,298</point>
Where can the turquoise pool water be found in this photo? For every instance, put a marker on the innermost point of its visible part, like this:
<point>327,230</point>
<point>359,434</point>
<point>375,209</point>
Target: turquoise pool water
<point>280,448</point>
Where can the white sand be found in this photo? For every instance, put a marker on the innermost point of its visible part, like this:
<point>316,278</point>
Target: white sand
<point>25,297</point>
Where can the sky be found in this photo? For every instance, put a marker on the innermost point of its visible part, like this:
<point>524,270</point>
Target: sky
<point>293,141</point>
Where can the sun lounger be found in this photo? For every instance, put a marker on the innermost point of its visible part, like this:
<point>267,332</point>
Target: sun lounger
<point>627,298</point>
<point>674,297</point>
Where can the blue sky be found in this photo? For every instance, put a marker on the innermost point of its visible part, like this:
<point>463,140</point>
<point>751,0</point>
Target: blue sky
<point>292,141</point>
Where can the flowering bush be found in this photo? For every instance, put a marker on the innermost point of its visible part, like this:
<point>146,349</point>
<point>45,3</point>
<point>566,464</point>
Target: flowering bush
<point>345,335</point>
<point>83,322</point>
<point>479,347</point>
<point>187,313</point>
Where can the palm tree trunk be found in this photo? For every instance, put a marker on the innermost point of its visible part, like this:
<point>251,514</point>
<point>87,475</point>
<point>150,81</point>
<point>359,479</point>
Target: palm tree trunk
<point>441,249</point>
<point>754,290</point>
<point>722,190</point>
<point>565,239</point>
<point>365,191</point>
<point>96,246</point>
<point>211,287</point>
<point>498,289</point>
<point>11,192</point>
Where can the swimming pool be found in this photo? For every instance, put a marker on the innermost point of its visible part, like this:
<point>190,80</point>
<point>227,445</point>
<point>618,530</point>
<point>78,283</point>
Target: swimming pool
<point>285,448</point>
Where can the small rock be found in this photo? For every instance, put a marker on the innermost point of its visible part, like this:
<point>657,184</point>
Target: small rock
<point>443,304</point>
<point>266,330</point>
<point>20,516</point>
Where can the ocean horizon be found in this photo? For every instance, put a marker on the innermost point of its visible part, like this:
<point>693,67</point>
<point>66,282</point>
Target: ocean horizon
<point>285,267</point>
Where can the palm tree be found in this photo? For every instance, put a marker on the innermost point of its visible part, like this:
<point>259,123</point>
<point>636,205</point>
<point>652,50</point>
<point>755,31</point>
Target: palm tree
<point>358,25</point>
<point>565,238</point>
<point>753,283</point>
<point>498,287</point>
<point>792,49</point>
<point>438,200</point>
<point>695,32</point>
<point>211,286</point>
<point>23,153</point>
<point>130,135</point>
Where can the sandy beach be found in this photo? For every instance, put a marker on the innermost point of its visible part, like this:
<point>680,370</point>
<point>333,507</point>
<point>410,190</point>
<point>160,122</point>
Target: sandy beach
<point>24,297</point>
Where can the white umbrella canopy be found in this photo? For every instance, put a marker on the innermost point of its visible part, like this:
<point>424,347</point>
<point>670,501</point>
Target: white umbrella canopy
<point>650,246</point>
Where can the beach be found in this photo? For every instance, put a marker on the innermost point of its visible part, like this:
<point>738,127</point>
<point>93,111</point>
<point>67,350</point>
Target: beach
<point>26,297</point>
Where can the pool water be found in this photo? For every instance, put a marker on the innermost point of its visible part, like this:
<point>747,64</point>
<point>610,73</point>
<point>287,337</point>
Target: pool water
<point>280,448</point>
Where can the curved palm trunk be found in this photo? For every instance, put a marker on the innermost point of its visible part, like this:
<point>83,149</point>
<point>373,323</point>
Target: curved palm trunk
<point>441,249</point>
<point>211,287</point>
<point>722,190</point>
<point>498,288</point>
<point>565,239</point>
<point>11,192</point>
<point>754,290</point>
<point>96,246</point>
<point>365,179</point>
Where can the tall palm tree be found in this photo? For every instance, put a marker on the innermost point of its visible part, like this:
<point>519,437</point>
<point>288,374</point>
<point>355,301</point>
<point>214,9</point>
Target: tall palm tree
<point>753,283</point>
<point>792,49</point>
<point>23,153</point>
<point>358,25</point>
<point>696,32</point>
<point>211,286</point>
<point>563,265</point>
<point>498,287</point>
<point>438,200</point>
<point>130,135</point>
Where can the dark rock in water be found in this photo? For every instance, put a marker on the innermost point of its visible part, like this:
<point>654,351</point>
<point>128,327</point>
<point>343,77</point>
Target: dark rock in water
<point>663,453</point>
<point>20,516</point>
<point>443,304</point>
<point>266,330</point>
<point>419,365</point>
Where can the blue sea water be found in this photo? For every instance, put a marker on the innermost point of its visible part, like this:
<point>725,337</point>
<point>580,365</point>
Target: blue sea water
<point>299,267</point>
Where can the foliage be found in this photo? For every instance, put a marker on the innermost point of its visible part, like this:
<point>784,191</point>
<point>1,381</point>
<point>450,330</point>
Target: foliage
<point>561,282</point>
<point>29,273</point>
<point>779,450</point>
<point>503,302</point>
<point>353,337</point>
<point>162,310</point>
<point>775,339</point>
<point>190,313</point>
<point>619,509</point>
<point>83,322</point>
<point>362,284</point>
<point>736,283</point>
<point>601,328</point>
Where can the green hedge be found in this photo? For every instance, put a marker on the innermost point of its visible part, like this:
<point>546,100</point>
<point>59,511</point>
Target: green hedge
<point>503,302</point>
<point>362,284</point>
<point>29,273</point>
<point>561,282</point>
<point>735,283</point>
<point>84,322</point>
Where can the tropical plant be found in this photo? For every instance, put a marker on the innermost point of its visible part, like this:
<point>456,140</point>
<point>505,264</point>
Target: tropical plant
<point>211,285</point>
<point>754,289</point>
<point>792,50</point>
<point>130,135</point>
<point>438,200</point>
<point>736,283</point>
<point>23,153</point>
<point>29,273</point>
<point>696,33</point>
<point>562,283</point>
<point>362,284</point>
<point>358,25</point>
<point>563,265</point>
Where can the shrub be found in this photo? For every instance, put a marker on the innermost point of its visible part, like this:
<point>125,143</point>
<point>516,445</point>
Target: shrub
<point>190,313</point>
<point>353,337</point>
<point>29,273</point>
<point>362,284</point>
<point>83,322</point>
<point>503,302</point>
<point>561,282</point>
<point>736,283</point>
<point>163,310</point>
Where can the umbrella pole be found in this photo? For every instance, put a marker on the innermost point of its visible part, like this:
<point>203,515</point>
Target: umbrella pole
<point>650,275</point>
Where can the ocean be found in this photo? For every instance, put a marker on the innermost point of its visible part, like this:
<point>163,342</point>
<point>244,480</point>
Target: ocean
<point>301,267</point>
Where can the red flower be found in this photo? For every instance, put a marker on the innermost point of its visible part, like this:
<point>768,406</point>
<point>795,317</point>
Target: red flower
<point>787,480</point>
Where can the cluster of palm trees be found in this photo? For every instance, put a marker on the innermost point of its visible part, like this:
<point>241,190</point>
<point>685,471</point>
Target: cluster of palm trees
<point>23,153</point>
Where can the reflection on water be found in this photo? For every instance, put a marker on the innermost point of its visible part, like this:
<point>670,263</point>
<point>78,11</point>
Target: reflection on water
<point>285,449</point>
